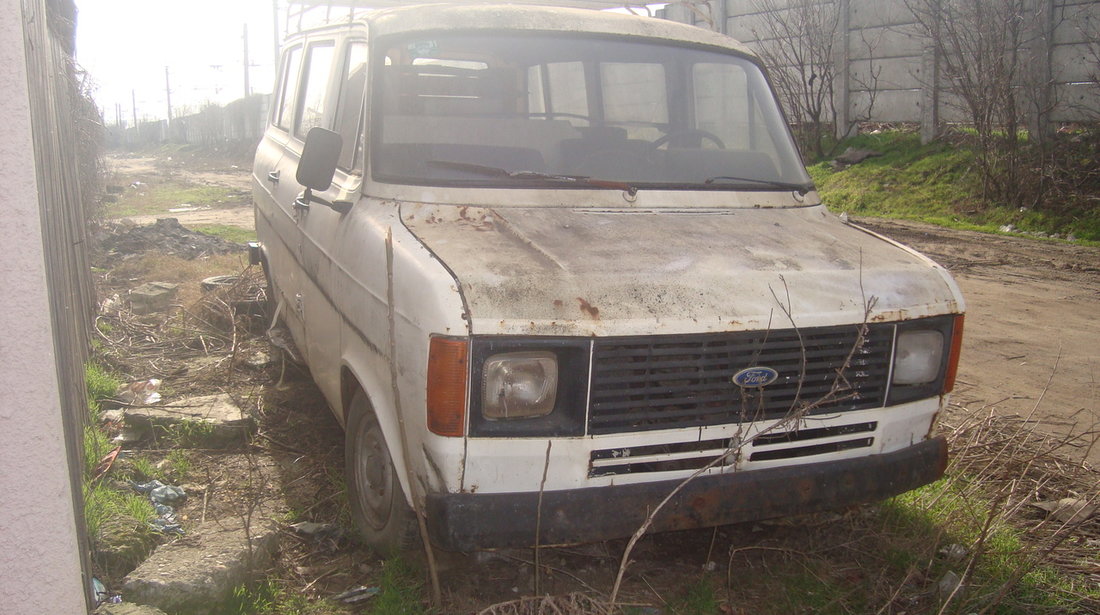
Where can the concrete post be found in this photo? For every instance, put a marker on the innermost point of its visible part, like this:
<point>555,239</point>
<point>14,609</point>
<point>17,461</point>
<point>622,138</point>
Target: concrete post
<point>843,68</point>
<point>1040,35</point>
<point>39,546</point>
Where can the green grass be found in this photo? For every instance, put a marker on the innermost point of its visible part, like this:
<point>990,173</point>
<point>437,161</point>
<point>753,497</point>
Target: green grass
<point>936,183</point>
<point>402,590</point>
<point>950,512</point>
<point>227,232</point>
<point>99,384</point>
<point>158,198</point>
<point>699,598</point>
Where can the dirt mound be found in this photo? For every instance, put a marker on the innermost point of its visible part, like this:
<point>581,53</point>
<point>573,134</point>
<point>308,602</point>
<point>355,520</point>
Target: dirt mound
<point>166,236</point>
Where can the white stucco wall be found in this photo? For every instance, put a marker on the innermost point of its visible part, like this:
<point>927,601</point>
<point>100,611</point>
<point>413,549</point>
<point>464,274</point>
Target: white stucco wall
<point>39,562</point>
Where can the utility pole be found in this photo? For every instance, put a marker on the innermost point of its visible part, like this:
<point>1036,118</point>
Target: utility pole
<point>168,95</point>
<point>277,38</point>
<point>133,105</point>
<point>247,90</point>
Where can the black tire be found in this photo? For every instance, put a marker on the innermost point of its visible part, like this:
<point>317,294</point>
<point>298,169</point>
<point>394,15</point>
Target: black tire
<point>378,507</point>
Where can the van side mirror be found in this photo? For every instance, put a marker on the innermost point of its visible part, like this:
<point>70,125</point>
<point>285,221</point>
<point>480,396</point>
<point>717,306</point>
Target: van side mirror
<point>319,158</point>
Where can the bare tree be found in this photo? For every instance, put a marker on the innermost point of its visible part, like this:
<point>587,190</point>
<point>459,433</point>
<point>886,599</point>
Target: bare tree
<point>980,45</point>
<point>797,40</point>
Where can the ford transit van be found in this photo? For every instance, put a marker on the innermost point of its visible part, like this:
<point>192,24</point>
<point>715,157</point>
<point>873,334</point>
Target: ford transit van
<point>549,266</point>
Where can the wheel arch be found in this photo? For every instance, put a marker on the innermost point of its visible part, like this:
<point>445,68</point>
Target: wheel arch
<point>355,376</point>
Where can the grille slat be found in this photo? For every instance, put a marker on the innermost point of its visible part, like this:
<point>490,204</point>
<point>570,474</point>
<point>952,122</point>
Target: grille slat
<point>665,382</point>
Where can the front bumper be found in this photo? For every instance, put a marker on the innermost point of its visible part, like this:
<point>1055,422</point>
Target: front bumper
<point>469,521</point>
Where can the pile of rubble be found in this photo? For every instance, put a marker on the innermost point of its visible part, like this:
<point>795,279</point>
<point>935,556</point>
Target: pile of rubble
<point>166,236</point>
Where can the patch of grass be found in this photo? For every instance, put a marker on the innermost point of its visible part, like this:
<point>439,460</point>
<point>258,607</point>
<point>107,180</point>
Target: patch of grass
<point>96,446</point>
<point>157,198</point>
<point>227,232</point>
<point>402,590</point>
<point>699,598</point>
<point>936,183</point>
<point>180,464</point>
<point>118,524</point>
<point>188,434</point>
<point>169,268</point>
<point>949,512</point>
<point>268,598</point>
<point>99,384</point>
<point>144,469</point>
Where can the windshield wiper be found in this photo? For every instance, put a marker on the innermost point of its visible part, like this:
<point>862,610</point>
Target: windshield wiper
<point>576,180</point>
<point>801,189</point>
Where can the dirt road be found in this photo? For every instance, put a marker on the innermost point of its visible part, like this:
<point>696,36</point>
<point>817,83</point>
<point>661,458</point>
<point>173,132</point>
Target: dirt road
<point>1032,341</point>
<point>1032,335</point>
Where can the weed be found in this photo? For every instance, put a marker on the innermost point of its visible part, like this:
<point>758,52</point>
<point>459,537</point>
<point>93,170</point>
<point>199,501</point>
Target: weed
<point>144,468</point>
<point>118,524</point>
<point>269,598</point>
<point>96,446</point>
<point>697,599</point>
<point>99,385</point>
<point>188,434</point>
<point>227,232</point>
<point>180,464</point>
<point>402,590</point>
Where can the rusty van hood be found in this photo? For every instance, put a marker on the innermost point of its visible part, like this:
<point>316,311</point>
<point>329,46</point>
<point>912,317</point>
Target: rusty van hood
<point>600,272</point>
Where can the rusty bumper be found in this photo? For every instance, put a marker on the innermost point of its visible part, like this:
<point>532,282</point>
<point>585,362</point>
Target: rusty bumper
<point>469,521</point>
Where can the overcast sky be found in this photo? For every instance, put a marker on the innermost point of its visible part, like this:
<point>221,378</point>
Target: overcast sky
<point>126,44</point>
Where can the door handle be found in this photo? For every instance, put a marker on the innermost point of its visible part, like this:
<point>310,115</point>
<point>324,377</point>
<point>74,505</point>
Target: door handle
<point>273,177</point>
<point>301,204</point>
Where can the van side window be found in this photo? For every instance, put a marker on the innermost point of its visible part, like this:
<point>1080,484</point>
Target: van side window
<point>289,83</point>
<point>349,105</point>
<point>315,89</point>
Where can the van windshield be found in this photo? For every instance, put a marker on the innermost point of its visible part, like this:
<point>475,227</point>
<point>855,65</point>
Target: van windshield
<point>501,110</point>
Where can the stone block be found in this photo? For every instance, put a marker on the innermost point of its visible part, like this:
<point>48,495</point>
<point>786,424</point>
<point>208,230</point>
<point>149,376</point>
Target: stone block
<point>152,297</point>
<point>209,421</point>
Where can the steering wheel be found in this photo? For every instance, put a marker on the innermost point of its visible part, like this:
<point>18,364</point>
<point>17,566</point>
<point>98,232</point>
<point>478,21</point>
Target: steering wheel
<point>688,132</point>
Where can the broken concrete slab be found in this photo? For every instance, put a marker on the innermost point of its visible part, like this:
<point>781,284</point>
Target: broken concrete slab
<point>209,421</point>
<point>126,608</point>
<point>152,297</point>
<point>198,573</point>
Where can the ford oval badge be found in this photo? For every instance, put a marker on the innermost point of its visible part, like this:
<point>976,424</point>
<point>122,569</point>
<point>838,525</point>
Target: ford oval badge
<point>755,377</point>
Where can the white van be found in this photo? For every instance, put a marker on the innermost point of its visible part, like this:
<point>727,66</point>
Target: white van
<point>545,264</point>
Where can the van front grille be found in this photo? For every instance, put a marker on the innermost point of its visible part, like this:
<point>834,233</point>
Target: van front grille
<point>675,381</point>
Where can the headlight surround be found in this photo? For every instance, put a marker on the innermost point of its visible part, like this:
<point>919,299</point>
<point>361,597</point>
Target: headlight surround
<point>925,351</point>
<point>519,385</point>
<point>528,386</point>
<point>918,355</point>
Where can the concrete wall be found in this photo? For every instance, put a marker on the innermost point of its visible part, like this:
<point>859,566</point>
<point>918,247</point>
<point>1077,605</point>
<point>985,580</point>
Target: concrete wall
<point>881,36</point>
<point>40,560</point>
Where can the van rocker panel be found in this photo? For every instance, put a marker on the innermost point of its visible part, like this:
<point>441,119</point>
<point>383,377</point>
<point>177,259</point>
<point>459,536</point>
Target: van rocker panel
<point>470,521</point>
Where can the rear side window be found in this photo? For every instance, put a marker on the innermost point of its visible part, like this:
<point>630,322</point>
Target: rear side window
<point>349,105</point>
<point>288,86</point>
<point>311,111</point>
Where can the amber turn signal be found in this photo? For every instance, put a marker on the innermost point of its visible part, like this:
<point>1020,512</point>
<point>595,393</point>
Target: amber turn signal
<point>447,359</point>
<point>953,358</point>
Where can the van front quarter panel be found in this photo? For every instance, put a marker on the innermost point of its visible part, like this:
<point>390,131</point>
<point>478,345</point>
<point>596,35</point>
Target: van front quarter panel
<point>573,257</point>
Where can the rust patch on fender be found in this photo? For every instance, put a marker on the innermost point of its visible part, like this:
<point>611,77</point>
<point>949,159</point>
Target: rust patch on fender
<point>589,309</point>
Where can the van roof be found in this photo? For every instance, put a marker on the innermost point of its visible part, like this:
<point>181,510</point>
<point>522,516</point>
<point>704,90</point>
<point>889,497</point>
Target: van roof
<point>478,16</point>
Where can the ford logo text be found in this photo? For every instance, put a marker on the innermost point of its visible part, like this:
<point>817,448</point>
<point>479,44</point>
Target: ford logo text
<point>755,377</point>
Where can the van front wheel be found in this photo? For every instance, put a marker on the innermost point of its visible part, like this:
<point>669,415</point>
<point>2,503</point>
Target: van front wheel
<point>378,505</point>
